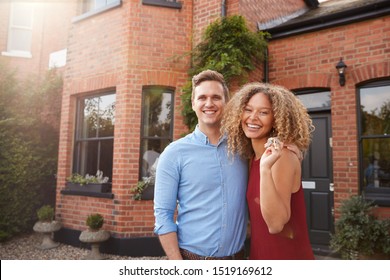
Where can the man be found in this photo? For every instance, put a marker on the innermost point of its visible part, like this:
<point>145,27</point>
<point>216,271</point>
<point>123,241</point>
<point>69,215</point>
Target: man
<point>196,175</point>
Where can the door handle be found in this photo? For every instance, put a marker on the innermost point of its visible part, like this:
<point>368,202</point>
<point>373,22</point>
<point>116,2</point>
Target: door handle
<point>331,187</point>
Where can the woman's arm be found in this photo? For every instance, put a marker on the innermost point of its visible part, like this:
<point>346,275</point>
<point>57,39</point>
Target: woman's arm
<point>279,178</point>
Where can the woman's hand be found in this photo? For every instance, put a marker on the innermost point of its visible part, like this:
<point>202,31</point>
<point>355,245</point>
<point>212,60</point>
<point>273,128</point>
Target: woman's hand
<point>272,153</point>
<point>293,148</point>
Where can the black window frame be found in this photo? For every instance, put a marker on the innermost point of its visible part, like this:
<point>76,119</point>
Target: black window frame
<point>380,196</point>
<point>79,139</point>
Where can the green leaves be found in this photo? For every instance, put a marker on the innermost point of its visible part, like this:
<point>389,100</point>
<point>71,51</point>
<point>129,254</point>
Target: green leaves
<point>229,47</point>
<point>95,221</point>
<point>29,134</point>
<point>358,230</point>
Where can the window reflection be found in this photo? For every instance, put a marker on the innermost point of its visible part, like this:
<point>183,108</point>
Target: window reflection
<point>375,110</point>
<point>374,122</point>
<point>376,163</point>
<point>315,100</point>
<point>156,134</point>
<point>99,117</point>
<point>95,137</point>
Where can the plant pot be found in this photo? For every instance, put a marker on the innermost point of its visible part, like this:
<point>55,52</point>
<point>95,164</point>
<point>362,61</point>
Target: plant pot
<point>148,193</point>
<point>92,187</point>
<point>94,238</point>
<point>47,229</point>
<point>353,254</point>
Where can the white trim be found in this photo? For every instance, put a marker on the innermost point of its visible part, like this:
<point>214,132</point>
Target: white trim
<point>17,54</point>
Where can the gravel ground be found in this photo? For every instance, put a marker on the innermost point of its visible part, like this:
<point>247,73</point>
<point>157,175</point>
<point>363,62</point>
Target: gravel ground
<point>25,248</point>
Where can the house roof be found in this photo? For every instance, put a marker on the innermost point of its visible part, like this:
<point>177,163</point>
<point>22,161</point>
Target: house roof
<point>329,14</point>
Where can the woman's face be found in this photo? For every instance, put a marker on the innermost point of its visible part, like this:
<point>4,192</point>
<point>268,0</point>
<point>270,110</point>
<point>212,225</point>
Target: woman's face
<point>257,117</point>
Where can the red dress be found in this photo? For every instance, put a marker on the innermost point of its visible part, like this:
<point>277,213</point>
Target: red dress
<point>293,242</point>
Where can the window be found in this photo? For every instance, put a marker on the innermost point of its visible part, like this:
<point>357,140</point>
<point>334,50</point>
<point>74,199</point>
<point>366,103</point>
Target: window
<point>314,99</point>
<point>91,8</point>
<point>20,29</point>
<point>156,127</point>
<point>374,133</point>
<point>90,5</point>
<point>163,3</point>
<point>94,139</point>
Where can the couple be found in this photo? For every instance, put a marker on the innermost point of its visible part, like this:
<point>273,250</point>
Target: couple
<point>205,175</point>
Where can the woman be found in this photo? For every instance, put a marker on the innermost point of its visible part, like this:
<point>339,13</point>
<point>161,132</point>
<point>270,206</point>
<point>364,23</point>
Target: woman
<point>275,196</point>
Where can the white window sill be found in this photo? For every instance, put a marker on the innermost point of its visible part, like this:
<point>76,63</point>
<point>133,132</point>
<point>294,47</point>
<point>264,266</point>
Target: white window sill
<point>17,54</point>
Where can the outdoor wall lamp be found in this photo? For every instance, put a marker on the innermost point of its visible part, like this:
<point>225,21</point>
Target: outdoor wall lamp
<point>341,69</point>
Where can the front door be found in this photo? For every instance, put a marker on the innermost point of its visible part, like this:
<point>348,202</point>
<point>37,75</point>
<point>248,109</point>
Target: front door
<point>317,182</point>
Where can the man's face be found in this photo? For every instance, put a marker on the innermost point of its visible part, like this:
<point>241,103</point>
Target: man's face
<point>208,104</point>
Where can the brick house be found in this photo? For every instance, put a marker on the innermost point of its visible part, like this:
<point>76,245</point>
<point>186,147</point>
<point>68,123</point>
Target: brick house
<point>121,100</point>
<point>33,38</point>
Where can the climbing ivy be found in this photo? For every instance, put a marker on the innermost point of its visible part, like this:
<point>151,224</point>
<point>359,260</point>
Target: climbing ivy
<point>229,47</point>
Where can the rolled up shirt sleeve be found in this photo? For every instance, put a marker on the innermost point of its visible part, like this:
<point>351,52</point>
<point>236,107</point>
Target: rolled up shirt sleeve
<point>166,192</point>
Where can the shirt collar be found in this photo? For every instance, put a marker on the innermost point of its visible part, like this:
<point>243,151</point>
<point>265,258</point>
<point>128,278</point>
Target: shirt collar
<point>200,136</point>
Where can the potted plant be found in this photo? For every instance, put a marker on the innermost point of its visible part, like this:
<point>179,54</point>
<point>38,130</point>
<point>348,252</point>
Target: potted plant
<point>94,236</point>
<point>46,225</point>
<point>358,233</point>
<point>88,183</point>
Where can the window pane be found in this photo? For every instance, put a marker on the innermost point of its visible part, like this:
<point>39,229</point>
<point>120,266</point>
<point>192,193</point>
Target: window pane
<point>90,119</point>
<point>376,162</point>
<point>152,148</point>
<point>106,157</point>
<point>96,155</point>
<point>315,100</point>
<point>90,5</point>
<point>157,112</point>
<point>106,115</point>
<point>88,157</point>
<point>22,15</point>
<point>20,40</point>
<point>375,110</point>
<point>99,116</point>
<point>100,3</point>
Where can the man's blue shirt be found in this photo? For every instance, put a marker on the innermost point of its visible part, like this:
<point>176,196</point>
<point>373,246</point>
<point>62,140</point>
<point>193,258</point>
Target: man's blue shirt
<point>208,187</point>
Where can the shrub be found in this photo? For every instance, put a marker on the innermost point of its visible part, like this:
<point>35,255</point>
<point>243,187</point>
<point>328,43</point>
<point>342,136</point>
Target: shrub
<point>358,231</point>
<point>95,221</point>
<point>29,133</point>
<point>45,213</point>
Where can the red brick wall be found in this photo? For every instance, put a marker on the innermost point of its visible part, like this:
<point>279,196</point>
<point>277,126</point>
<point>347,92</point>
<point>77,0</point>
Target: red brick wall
<point>309,61</point>
<point>205,12</point>
<point>123,49</point>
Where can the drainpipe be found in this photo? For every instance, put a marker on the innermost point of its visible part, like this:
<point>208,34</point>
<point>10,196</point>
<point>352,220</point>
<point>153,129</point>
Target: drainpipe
<point>223,8</point>
<point>266,66</point>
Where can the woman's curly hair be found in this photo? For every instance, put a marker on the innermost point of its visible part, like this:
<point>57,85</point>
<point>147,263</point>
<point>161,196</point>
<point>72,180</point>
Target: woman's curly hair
<point>292,123</point>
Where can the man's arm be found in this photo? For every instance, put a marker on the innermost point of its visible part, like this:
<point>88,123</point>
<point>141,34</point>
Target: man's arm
<point>165,203</point>
<point>170,245</point>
